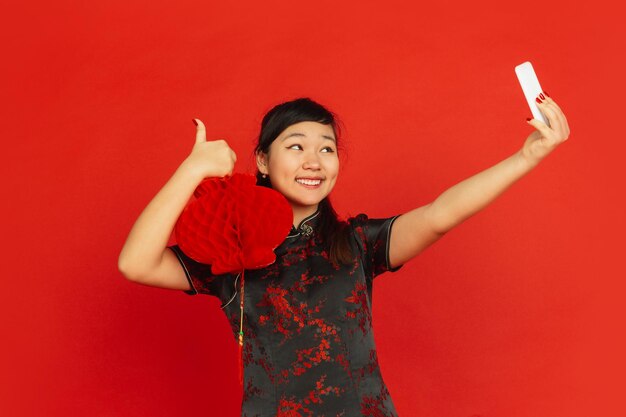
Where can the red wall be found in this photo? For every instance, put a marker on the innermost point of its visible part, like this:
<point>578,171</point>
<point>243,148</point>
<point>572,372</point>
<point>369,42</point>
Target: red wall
<point>518,312</point>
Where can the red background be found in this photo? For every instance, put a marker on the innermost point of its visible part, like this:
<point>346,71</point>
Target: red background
<point>518,312</point>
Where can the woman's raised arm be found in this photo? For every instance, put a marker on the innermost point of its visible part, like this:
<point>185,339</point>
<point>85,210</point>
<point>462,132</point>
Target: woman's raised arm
<point>144,257</point>
<point>417,229</point>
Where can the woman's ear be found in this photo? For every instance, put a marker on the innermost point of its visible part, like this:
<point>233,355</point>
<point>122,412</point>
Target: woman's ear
<point>261,162</point>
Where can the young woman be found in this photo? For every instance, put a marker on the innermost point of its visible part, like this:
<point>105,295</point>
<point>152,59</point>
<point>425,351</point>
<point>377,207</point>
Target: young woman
<point>309,347</point>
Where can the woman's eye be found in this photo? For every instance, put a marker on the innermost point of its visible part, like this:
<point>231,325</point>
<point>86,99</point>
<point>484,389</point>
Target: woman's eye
<point>296,147</point>
<point>328,149</point>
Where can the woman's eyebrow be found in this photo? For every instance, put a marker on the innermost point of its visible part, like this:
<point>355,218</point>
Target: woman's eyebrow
<point>298,134</point>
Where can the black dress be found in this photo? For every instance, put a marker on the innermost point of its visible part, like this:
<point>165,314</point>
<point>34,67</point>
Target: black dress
<point>309,347</point>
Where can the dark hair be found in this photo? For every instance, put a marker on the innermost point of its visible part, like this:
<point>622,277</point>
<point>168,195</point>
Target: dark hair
<point>332,231</point>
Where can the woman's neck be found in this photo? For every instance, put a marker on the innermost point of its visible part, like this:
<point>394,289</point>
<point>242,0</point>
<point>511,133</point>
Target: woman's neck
<point>301,213</point>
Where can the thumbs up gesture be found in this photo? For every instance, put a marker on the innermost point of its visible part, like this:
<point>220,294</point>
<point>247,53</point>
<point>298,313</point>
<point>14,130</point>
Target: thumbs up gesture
<point>210,159</point>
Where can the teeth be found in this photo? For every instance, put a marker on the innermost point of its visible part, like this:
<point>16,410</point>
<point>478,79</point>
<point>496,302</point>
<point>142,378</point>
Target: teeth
<point>309,182</point>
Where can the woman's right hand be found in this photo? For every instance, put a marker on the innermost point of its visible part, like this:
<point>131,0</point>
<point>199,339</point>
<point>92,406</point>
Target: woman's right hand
<point>212,158</point>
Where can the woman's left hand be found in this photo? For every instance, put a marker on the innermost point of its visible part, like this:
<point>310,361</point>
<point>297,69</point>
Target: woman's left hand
<point>546,138</point>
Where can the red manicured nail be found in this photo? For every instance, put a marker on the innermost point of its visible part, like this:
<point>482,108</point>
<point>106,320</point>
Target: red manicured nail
<point>194,122</point>
<point>538,101</point>
<point>542,96</point>
<point>528,119</point>
<point>546,93</point>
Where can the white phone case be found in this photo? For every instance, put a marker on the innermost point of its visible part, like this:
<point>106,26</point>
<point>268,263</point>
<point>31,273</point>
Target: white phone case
<point>531,88</point>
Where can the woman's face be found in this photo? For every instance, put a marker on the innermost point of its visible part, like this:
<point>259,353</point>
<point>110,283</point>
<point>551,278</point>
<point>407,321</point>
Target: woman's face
<point>302,164</point>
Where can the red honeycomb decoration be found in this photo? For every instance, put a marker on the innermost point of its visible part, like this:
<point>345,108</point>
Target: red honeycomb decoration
<point>233,224</point>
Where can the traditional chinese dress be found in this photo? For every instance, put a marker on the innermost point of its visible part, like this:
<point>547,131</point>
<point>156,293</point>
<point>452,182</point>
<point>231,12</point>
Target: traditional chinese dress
<point>309,346</point>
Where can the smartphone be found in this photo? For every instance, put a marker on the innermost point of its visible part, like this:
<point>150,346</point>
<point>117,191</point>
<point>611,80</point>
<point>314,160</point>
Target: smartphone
<point>531,88</point>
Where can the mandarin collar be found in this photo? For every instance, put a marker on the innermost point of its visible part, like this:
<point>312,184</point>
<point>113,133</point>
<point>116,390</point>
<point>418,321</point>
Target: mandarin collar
<point>306,226</point>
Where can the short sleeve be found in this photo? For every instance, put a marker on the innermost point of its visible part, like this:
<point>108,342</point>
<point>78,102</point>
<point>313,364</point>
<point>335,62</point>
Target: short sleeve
<point>373,237</point>
<point>199,275</point>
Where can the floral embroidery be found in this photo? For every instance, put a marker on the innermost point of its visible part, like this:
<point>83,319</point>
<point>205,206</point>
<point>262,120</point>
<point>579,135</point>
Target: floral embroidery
<point>309,349</point>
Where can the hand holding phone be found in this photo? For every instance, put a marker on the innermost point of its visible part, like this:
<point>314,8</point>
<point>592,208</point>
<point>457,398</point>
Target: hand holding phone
<point>531,88</point>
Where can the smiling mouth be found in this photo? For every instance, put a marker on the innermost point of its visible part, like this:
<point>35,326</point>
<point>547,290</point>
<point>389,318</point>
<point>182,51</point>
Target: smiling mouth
<point>309,182</point>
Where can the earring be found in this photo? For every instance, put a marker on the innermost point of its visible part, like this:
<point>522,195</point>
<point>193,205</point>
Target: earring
<point>264,176</point>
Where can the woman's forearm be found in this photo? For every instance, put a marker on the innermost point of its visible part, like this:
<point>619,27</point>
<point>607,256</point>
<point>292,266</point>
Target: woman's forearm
<point>468,197</point>
<point>150,234</point>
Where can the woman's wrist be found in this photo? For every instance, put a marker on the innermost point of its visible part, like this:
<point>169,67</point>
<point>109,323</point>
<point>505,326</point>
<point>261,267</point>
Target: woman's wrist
<point>527,162</point>
<point>190,171</point>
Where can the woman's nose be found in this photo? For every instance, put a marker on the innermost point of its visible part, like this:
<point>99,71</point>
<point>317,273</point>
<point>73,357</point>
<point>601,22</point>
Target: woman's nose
<point>311,162</point>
